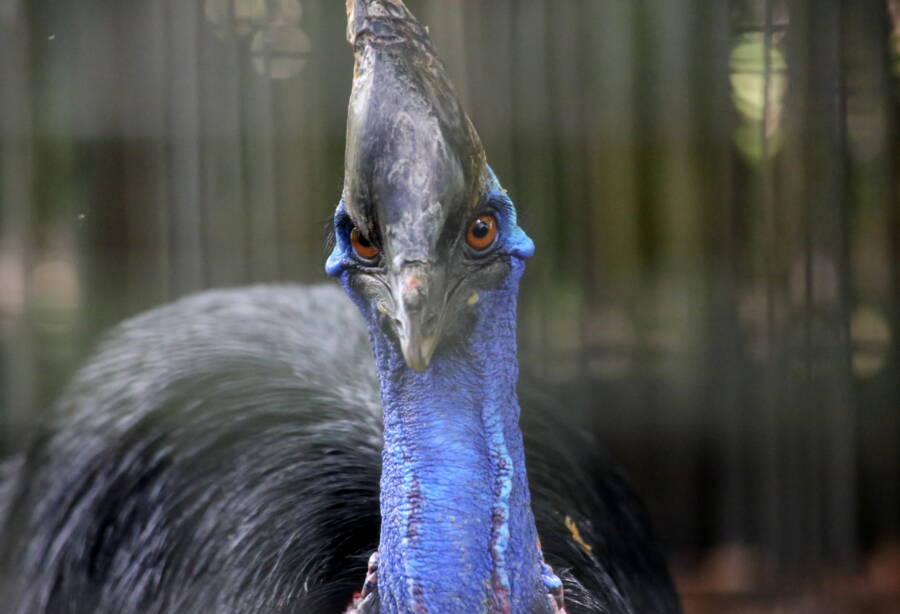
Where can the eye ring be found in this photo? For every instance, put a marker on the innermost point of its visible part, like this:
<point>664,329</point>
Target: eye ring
<point>482,232</point>
<point>364,248</point>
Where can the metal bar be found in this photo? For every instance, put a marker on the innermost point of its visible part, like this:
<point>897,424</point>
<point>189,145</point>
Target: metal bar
<point>773,515</point>
<point>16,223</point>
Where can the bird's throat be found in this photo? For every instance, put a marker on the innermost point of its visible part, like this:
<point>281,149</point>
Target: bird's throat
<point>457,531</point>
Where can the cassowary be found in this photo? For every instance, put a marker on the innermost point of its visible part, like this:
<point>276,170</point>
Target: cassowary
<point>240,451</point>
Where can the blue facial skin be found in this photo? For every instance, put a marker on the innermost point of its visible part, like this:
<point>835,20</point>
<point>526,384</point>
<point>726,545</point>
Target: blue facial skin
<point>457,532</point>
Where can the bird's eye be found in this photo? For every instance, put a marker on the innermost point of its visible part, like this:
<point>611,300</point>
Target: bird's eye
<point>482,232</point>
<point>364,248</point>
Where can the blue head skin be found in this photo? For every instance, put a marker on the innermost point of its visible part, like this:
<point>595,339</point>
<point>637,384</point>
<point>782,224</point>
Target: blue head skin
<point>457,530</point>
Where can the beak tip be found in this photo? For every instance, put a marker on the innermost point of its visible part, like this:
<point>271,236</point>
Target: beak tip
<point>418,367</point>
<point>418,355</point>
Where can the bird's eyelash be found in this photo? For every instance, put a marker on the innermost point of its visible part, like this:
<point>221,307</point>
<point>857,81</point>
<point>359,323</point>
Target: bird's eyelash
<point>330,238</point>
<point>345,223</point>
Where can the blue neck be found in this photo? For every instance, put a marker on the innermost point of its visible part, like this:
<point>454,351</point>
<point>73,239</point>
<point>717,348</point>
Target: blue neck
<point>457,532</point>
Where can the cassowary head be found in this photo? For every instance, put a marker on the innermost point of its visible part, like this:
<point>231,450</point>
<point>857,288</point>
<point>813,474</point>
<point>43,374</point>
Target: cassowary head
<point>423,227</point>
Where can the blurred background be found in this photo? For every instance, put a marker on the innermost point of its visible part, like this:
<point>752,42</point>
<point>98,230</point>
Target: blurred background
<point>712,186</point>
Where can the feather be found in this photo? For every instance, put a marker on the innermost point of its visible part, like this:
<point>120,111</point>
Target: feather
<point>223,454</point>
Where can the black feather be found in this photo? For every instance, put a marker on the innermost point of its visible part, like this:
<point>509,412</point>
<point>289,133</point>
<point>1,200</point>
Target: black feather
<point>222,454</point>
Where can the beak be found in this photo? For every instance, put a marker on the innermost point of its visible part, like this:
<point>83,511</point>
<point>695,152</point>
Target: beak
<point>417,317</point>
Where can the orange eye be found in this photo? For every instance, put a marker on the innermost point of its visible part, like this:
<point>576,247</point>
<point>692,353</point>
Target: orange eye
<point>362,246</point>
<point>482,232</point>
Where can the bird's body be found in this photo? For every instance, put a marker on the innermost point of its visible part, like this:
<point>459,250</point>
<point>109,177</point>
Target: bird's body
<point>241,451</point>
<point>222,454</point>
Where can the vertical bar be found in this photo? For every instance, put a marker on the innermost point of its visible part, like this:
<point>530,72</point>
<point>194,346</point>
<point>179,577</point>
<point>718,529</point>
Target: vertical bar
<point>565,42</point>
<point>16,223</point>
<point>243,232</point>
<point>799,474</point>
<point>614,250</point>
<point>491,34</point>
<point>892,79</point>
<point>146,195</point>
<point>807,531</point>
<point>610,92</point>
<point>781,489</point>
<point>294,104</point>
<point>770,423</point>
<point>262,230</point>
<point>728,371</point>
<point>829,197</point>
<point>322,154</point>
<point>533,179</point>
<point>57,210</point>
<point>876,227</point>
<point>222,63</point>
<point>101,64</point>
<point>184,140</point>
<point>274,176</point>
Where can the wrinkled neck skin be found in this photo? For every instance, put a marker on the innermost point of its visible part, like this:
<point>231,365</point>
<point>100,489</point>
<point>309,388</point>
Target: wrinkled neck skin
<point>457,532</point>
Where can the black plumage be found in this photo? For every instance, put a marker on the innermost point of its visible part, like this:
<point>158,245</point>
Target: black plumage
<point>222,454</point>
